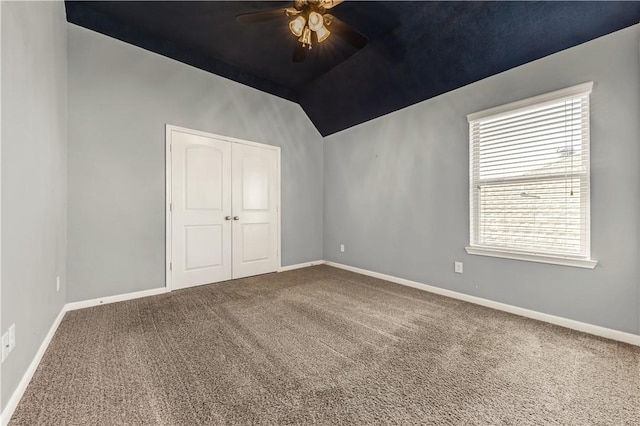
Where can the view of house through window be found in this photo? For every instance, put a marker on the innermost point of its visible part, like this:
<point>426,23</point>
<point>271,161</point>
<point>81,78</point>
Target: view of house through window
<point>529,175</point>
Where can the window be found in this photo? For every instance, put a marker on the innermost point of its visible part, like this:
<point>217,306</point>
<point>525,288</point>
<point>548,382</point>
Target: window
<point>529,179</point>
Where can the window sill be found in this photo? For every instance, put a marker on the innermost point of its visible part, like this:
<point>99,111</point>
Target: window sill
<point>530,257</point>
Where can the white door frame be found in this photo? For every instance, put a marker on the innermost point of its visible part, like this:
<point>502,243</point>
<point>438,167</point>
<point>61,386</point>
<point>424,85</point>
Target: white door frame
<point>168,129</point>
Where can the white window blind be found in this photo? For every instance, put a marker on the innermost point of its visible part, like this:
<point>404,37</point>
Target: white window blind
<point>529,175</point>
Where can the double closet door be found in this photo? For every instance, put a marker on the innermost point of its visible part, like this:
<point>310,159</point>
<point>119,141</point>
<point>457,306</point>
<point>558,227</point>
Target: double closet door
<point>224,219</point>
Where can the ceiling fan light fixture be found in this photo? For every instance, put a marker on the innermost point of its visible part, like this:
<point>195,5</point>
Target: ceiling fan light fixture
<point>309,22</point>
<point>323,33</point>
<point>305,39</point>
<point>315,21</point>
<point>297,26</point>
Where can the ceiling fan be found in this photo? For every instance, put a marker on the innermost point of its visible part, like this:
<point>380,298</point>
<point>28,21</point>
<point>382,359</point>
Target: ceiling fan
<point>310,22</point>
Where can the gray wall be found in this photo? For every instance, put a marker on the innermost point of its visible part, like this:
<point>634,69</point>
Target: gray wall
<point>34,138</point>
<point>120,98</point>
<point>396,190</point>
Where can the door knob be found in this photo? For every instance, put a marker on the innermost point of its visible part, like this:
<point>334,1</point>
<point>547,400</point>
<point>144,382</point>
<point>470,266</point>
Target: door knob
<point>227,218</point>
<point>236,218</point>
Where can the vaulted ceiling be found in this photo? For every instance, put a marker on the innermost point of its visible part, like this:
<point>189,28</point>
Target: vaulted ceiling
<point>416,50</point>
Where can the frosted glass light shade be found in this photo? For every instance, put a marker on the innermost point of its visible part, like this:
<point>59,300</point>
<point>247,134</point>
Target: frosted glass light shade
<point>297,26</point>
<point>322,33</point>
<point>315,21</point>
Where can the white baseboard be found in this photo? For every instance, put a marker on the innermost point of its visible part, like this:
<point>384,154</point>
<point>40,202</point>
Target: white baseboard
<point>26,378</point>
<point>112,299</point>
<point>301,265</point>
<point>596,330</point>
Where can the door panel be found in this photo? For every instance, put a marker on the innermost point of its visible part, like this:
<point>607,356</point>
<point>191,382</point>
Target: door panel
<point>203,178</point>
<point>201,197</point>
<point>203,246</point>
<point>255,241</point>
<point>255,183</point>
<point>255,232</point>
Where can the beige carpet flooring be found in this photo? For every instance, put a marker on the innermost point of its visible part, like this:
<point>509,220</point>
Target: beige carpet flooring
<point>324,346</point>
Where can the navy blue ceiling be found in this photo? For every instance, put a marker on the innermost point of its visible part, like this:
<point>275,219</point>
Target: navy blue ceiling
<point>416,50</point>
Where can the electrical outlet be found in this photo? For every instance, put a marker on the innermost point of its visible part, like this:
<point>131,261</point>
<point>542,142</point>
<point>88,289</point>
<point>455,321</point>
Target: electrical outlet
<point>342,248</point>
<point>458,267</point>
<point>58,283</point>
<point>12,337</point>
<point>5,346</point>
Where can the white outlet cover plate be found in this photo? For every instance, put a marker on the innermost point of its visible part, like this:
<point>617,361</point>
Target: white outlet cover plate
<point>458,267</point>
<point>5,345</point>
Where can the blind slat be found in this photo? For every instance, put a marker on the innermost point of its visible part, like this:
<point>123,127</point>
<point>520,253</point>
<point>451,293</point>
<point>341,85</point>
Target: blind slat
<point>546,143</point>
<point>560,126</point>
<point>525,119</point>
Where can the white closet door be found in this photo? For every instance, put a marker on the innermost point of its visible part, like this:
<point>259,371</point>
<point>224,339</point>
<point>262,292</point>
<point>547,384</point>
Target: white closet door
<point>201,211</point>
<point>255,210</point>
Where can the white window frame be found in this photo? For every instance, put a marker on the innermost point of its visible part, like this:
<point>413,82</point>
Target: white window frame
<point>508,109</point>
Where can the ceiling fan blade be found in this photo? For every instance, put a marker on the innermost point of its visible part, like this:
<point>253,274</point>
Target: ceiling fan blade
<point>345,32</point>
<point>299,53</point>
<point>328,4</point>
<point>257,17</point>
